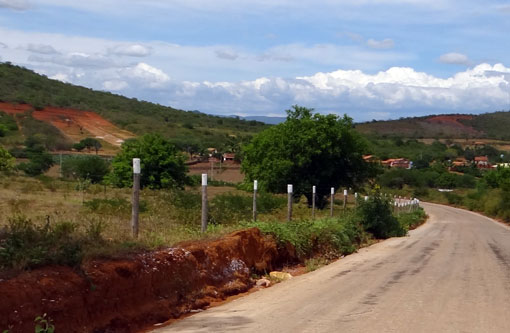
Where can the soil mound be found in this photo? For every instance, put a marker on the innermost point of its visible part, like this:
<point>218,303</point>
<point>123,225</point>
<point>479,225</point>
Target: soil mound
<point>128,294</point>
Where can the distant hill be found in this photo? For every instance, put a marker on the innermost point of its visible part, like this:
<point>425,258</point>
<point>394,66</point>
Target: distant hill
<point>267,120</point>
<point>19,85</point>
<point>494,125</point>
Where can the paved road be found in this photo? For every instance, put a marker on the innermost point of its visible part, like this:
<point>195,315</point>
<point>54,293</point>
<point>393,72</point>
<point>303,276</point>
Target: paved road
<point>450,275</point>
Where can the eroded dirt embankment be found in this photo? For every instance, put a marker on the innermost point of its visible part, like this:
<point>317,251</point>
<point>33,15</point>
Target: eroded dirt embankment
<point>126,295</point>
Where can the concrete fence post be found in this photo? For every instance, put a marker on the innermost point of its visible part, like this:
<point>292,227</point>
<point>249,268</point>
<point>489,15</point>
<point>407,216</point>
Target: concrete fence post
<point>345,199</point>
<point>255,187</point>
<point>289,202</point>
<point>204,203</point>
<point>314,189</point>
<point>135,207</point>
<point>332,201</point>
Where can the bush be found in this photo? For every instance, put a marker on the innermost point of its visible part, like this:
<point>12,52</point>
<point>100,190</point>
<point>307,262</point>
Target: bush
<point>161,163</point>
<point>7,162</point>
<point>26,245</point>
<point>331,237</point>
<point>39,162</point>
<point>377,218</point>
<point>94,168</point>
<point>231,208</point>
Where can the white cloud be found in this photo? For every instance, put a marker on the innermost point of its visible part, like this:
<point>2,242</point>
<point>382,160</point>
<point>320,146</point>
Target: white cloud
<point>41,48</point>
<point>381,44</point>
<point>3,46</point>
<point>504,9</point>
<point>226,54</point>
<point>115,85</point>
<point>61,77</point>
<point>142,72</point>
<point>14,4</point>
<point>132,50</point>
<point>398,91</point>
<point>455,59</point>
<point>76,60</point>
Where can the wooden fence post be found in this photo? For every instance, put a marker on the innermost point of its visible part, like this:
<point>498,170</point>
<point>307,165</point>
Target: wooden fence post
<point>136,197</point>
<point>289,202</point>
<point>204,202</point>
<point>255,185</point>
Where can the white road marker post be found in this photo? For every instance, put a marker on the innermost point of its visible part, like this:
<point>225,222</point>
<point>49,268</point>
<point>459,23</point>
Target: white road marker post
<point>332,201</point>
<point>204,203</point>
<point>314,189</point>
<point>135,203</point>
<point>356,199</point>
<point>255,187</point>
<point>345,199</point>
<point>289,202</point>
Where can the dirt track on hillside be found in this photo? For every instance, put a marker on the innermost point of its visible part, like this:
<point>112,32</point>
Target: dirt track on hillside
<point>74,124</point>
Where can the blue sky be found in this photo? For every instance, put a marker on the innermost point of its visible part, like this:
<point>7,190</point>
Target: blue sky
<point>370,59</point>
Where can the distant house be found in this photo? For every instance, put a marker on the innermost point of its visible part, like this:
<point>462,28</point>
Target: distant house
<point>211,151</point>
<point>482,162</point>
<point>370,159</point>
<point>229,157</point>
<point>402,163</point>
<point>459,163</point>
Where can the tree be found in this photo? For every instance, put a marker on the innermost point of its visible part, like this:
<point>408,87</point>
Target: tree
<point>39,159</point>
<point>89,167</point>
<point>162,164</point>
<point>7,162</point>
<point>307,149</point>
<point>89,143</point>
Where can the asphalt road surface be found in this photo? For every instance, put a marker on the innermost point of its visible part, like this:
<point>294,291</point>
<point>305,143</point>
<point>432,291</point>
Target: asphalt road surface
<point>450,275</point>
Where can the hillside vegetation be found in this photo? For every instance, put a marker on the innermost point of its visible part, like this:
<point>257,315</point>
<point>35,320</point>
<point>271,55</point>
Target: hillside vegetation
<point>489,125</point>
<point>188,129</point>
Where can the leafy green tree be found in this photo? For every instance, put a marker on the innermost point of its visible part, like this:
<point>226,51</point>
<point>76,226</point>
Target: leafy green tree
<point>307,149</point>
<point>7,162</point>
<point>161,162</point>
<point>39,159</point>
<point>89,143</point>
<point>93,168</point>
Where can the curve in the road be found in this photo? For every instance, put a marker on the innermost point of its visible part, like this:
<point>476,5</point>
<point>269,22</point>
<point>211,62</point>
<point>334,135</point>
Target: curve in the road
<point>450,275</point>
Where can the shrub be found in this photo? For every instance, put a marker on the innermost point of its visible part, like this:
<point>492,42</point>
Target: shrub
<point>333,236</point>
<point>25,244</point>
<point>377,218</point>
<point>7,162</point>
<point>232,208</point>
<point>94,168</point>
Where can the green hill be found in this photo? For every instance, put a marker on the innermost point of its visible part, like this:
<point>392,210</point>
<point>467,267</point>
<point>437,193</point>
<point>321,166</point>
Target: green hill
<point>455,126</point>
<point>185,128</point>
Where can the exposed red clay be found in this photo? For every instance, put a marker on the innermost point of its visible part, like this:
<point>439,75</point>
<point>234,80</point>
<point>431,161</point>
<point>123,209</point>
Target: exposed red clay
<point>129,294</point>
<point>75,124</point>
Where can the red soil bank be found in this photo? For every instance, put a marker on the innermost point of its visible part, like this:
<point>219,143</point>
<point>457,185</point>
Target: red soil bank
<point>129,294</point>
<point>75,124</point>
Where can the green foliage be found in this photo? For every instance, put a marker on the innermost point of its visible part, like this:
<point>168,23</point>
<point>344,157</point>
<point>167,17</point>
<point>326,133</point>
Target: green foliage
<point>7,162</point>
<point>230,208</point>
<point>411,220</point>
<point>307,149</point>
<point>433,177</point>
<point>38,163</point>
<point>376,215</point>
<point>47,135</point>
<point>25,244</point>
<point>162,165</point>
<point>43,324</point>
<point>333,236</point>
<point>94,168</point>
